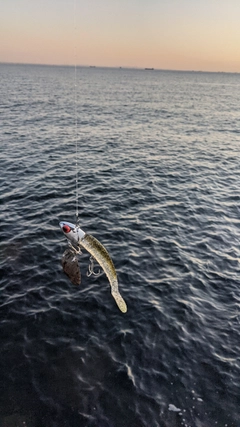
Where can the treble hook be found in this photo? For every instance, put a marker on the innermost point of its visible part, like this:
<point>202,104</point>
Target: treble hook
<point>77,251</point>
<point>91,271</point>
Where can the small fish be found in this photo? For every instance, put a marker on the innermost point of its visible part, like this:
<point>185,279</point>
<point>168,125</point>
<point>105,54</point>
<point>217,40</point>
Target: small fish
<point>71,266</point>
<point>81,239</point>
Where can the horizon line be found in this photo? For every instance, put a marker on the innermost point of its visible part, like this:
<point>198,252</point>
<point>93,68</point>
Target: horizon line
<point>118,67</point>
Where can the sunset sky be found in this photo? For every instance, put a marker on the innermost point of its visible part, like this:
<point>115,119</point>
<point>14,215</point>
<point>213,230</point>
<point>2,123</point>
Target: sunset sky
<point>166,34</point>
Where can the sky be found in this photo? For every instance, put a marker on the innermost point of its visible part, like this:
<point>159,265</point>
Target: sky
<point>163,34</point>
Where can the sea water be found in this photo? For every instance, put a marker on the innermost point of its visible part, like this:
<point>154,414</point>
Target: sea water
<point>159,185</point>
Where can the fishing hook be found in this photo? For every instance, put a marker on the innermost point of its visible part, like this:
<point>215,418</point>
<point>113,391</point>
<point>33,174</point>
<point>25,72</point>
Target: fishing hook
<point>77,251</point>
<point>91,271</point>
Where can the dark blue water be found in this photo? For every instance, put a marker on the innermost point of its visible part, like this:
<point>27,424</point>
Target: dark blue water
<point>159,186</point>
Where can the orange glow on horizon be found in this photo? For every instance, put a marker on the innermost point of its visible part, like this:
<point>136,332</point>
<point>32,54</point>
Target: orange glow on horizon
<point>126,34</point>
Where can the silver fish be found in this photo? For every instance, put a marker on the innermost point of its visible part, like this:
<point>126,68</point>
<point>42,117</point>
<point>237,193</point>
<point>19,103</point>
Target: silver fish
<point>81,239</point>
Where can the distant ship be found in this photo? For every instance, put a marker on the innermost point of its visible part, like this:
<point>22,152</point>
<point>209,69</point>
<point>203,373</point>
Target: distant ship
<point>149,69</point>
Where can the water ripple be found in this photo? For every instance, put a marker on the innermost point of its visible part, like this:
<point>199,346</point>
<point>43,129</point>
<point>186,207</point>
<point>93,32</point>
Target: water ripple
<point>159,187</point>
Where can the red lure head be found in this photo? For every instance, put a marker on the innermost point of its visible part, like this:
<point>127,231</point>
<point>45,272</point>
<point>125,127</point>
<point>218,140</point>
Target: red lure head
<point>66,228</point>
<point>72,231</point>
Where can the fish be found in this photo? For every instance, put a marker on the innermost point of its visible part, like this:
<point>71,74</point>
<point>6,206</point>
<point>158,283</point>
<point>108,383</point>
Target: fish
<point>71,267</point>
<point>78,238</point>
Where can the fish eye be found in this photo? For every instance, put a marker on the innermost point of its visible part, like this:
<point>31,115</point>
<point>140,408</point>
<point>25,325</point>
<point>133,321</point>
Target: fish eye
<point>66,228</point>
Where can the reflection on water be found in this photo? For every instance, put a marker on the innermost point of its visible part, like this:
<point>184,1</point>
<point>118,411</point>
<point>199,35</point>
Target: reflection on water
<point>159,187</point>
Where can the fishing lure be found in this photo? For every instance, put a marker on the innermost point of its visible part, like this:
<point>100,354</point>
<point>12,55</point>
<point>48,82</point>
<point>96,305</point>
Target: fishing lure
<point>70,266</point>
<point>78,238</point>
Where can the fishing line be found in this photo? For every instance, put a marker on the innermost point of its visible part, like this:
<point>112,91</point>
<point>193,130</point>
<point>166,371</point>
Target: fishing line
<point>75,235</point>
<point>75,108</point>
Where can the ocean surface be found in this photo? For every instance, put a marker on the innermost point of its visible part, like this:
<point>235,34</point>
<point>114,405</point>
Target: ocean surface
<point>158,173</point>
